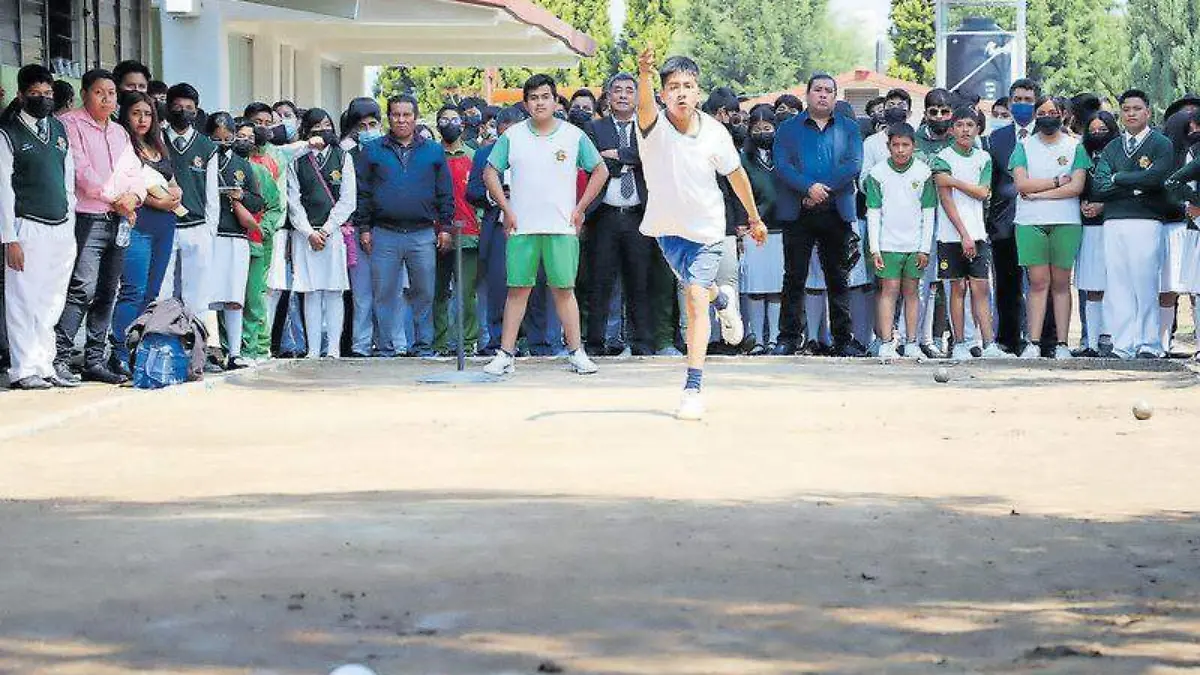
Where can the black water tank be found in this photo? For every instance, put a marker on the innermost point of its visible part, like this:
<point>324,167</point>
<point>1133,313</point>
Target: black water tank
<point>964,53</point>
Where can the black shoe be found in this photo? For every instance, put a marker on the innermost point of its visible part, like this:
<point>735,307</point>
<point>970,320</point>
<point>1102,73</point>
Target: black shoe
<point>120,367</point>
<point>236,363</point>
<point>99,373</point>
<point>849,351</point>
<point>638,350</point>
<point>932,352</point>
<point>783,349</point>
<point>1085,353</point>
<point>212,365</point>
<point>758,350</point>
<point>64,372</point>
<point>359,355</point>
<point>56,381</point>
<point>31,383</point>
<point>615,349</point>
<point>977,352</point>
<point>1146,355</point>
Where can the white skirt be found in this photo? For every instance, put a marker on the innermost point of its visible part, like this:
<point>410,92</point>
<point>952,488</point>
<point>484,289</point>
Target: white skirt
<point>762,266</point>
<point>230,270</point>
<point>860,275</point>
<point>816,275</point>
<point>1179,245</point>
<point>1090,273</point>
<point>323,270</point>
<point>279,277</point>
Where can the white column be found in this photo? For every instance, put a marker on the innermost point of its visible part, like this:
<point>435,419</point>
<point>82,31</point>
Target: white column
<point>196,50</point>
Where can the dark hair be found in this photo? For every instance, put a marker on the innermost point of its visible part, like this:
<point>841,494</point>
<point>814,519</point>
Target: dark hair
<point>563,101</point>
<point>471,102</point>
<point>817,77</point>
<point>844,109</point>
<point>311,118</point>
<point>937,97</point>
<point>877,101</point>
<point>219,120</point>
<point>965,112</point>
<point>721,98</point>
<point>790,100</point>
<point>153,137</point>
<point>676,65</point>
<point>1026,83</point>
<point>33,74</point>
<point>95,75</point>
<point>490,112</point>
<point>1109,120</point>
<point>64,93</point>
<point>509,116</point>
<point>256,108</point>
<point>1085,105</point>
<point>901,94</point>
<point>360,108</point>
<point>620,77</point>
<point>239,122</point>
<point>183,90</point>
<point>1001,102</point>
<point>536,82</point>
<point>130,66</point>
<point>156,88</point>
<point>584,93</point>
<point>287,103</point>
<point>1134,93</point>
<point>404,98</point>
<point>449,106</point>
<point>902,130</point>
<point>966,98</point>
<point>762,112</point>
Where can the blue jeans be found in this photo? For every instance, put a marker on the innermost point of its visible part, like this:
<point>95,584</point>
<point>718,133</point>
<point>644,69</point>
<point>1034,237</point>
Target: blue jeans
<point>146,259</point>
<point>491,258</point>
<point>362,331</point>
<point>92,291</point>
<point>416,252</point>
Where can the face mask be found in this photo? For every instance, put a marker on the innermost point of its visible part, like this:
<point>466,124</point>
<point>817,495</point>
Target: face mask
<point>560,115</point>
<point>290,127</point>
<point>1022,113</point>
<point>879,118</point>
<point>895,115</point>
<point>277,134</point>
<point>326,135</point>
<point>262,136</point>
<point>223,147</point>
<point>38,107</point>
<point>367,135</point>
<point>781,117</point>
<point>1048,125</point>
<point>940,127</point>
<point>242,147</point>
<point>182,119</point>
<point>579,117</point>
<point>764,140</point>
<point>738,132</point>
<point>1193,138</point>
<point>994,124</point>
<point>1094,142</point>
<point>450,131</point>
<point>473,120</point>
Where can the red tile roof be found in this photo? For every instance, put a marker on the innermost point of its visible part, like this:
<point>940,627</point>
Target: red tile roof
<point>527,12</point>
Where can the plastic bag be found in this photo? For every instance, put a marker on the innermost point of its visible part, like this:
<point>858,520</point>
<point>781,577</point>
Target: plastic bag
<point>160,361</point>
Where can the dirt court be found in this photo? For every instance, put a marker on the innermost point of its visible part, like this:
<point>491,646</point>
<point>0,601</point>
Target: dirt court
<point>826,517</point>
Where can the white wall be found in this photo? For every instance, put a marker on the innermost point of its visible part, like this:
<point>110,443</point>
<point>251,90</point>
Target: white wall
<point>196,51</point>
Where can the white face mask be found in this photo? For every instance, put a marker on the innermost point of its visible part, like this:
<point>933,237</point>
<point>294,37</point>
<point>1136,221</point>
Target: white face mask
<point>995,124</point>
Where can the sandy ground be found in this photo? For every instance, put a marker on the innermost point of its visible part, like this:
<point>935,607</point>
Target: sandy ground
<point>827,517</point>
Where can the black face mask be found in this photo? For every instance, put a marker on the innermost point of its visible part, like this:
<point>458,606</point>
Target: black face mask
<point>326,135</point>
<point>764,140</point>
<point>579,117</point>
<point>276,134</point>
<point>1048,125</point>
<point>895,115</point>
<point>182,119</point>
<point>38,107</point>
<point>879,118</point>
<point>560,115</point>
<point>1193,138</point>
<point>242,147</point>
<point>473,120</point>
<point>739,132</point>
<point>262,136</point>
<point>940,127</point>
<point>1095,143</point>
<point>450,131</point>
<point>781,117</point>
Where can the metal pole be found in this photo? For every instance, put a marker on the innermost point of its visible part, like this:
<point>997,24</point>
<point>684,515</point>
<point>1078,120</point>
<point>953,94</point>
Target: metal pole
<point>458,293</point>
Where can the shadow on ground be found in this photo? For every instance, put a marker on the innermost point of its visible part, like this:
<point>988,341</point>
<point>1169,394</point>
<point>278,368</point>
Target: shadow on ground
<point>499,583</point>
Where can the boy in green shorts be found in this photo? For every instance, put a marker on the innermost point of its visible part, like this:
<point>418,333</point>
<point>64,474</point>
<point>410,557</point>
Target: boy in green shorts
<point>901,199</point>
<point>542,217</point>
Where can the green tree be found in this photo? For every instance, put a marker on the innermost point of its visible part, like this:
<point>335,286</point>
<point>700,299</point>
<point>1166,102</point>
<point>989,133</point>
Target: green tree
<point>646,22</point>
<point>913,41</point>
<point>432,86</point>
<point>1166,48</point>
<point>1077,46</point>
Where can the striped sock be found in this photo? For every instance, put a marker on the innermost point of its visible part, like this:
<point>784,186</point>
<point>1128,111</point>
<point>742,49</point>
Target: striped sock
<point>694,375</point>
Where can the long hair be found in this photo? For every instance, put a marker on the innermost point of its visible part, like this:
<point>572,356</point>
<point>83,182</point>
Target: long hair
<point>763,112</point>
<point>151,139</point>
<point>311,118</point>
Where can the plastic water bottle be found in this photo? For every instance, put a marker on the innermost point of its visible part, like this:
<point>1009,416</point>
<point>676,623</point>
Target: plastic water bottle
<point>160,362</point>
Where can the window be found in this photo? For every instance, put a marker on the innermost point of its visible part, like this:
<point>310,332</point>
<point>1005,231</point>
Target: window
<point>241,70</point>
<point>331,87</point>
<point>10,32</point>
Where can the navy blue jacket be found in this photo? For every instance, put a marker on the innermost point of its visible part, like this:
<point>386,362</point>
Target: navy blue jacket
<point>1002,209</point>
<point>799,165</point>
<point>477,195</point>
<point>403,195</point>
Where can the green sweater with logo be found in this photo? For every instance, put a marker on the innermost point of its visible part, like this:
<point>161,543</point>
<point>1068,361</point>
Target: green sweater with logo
<point>1132,185</point>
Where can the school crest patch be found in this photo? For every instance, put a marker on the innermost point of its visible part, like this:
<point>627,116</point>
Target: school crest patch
<point>916,185</point>
<point>239,176</point>
<point>197,163</point>
<point>61,144</point>
<point>944,265</point>
<point>561,156</point>
<point>336,175</point>
<point>1063,161</point>
<point>1144,162</point>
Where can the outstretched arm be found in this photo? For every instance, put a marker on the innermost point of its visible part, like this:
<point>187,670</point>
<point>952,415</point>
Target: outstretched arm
<point>647,109</point>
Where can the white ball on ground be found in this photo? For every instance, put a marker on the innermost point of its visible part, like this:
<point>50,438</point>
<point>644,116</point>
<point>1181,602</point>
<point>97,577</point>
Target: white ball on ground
<point>1142,410</point>
<point>941,376</point>
<point>352,669</point>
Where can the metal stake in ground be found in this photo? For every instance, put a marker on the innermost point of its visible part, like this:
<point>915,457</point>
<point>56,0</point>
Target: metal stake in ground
<point>460,375</point>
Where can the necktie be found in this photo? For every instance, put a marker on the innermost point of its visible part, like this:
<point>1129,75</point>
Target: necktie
<point>180,143</point>
<point>43,131</point>
<point>628,186</point>
<point>1023,134</point>
<point>1131,145</point>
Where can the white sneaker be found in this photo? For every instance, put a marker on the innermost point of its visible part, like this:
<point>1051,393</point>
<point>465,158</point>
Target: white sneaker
<point>1031,351</point>
<point>960,352</point>
<point>669,351</point>
<point>691,406</point>
<point>887,351</point>
<point>501,364</point>
<point>993,351</point>
<point>912,352</point>
<point>732,330</point>
<point>1063,352</point>
<point>580,363</point>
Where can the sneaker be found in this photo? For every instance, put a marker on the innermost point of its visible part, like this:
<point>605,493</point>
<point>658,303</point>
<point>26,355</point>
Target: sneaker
<point>1085,352</point>
<point>1063,352</point>
<point>993,351</point>
<point>501,364</point>
<point>64,372</point>
<point>691,406</point>
<point>960,352</point>
<point>236,363</point>
<point>1031,351</point>
<point>56,381</point>
<point>580,363</point>
<point>887,352</point>
<point>31,383</point>
<point>913,352</point>
<point>759,350</point>
<point>732,330</point>
<point>669,351</point>
<point>932,351</point>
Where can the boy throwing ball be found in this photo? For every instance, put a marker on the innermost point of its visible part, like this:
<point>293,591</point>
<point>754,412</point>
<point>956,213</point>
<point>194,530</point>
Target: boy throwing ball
<point>682,151</point>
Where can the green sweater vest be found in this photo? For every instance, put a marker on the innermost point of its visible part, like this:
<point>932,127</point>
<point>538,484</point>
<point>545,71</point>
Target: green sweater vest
<point>1132,186</point>
<point>38,180</point>
<point>191,173</point>
<point>235,172</point>
<point>313,196</point>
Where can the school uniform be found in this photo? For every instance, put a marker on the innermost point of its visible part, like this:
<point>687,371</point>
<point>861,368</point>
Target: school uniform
<point>194,159</point>
<point>37,209</point>
<point>1089,265</point>
<point>1129,180</point>
<point>231,249</point>
<point>256,326</point>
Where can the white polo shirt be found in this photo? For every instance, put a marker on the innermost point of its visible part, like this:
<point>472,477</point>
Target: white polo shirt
<point>543,174</point>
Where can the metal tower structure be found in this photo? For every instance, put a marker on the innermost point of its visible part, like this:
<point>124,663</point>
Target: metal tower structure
<point>981,45</point>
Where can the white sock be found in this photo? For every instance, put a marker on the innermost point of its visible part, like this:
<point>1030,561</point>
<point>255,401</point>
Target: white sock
<point>928,301</point>
<point>212,325</point>
<point>814,316</point>
<point>773,307</point>
<point>1196,315</point>
<point>335,312</point>
<point>1166,322</point>
<point>313,320</point>
<point>1095,321</point>
<point>273,298</point>
<point>233,330</point>
<point>756,313</point>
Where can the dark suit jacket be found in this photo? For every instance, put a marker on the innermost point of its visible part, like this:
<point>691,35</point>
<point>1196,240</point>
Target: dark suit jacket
<point>1003,206</point>
<point>793,179</point>
<point>477,195</point>
<point>603,133</point>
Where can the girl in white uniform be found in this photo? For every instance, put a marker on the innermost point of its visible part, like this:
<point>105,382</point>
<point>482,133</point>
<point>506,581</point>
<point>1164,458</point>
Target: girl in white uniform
<point>1090,276</point>
<point>1183,186</point>
<point>1179,240</point>
<point>321,198</point>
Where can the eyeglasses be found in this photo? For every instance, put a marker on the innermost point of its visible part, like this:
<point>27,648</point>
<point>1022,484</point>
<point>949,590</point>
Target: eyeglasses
<point>939,112</point>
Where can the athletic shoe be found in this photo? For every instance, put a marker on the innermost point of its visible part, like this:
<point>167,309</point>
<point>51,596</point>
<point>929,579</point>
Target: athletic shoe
<point>501,364</point>
<point>757,350</point>
<point>887,352</point>
<point>1147,355</point>
<point>64,372</point>
<point>931,351</point>
<point>31,383</point>
<point>960,352</point>
<point>669,351</point>
<point>56,381</point>
<point>580,363</point>
<point>1062,352</point>
<point>851,350</point>
<point>1085,352</point>
<point>236,363</point>
<point>732,330</point>
<point>691,406</point>
<point>1031,351</point>
<point>783,349</point>
<point>993,351</point>
<point>913,352</point>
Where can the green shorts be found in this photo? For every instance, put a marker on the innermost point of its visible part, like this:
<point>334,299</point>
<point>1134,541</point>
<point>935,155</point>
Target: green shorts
<point>900,266</point>
<point>1056,245</point>
<point>558,252</point>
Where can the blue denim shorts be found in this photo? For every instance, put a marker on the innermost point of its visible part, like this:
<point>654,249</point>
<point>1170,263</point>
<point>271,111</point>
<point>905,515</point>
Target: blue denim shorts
<point>694,263</point>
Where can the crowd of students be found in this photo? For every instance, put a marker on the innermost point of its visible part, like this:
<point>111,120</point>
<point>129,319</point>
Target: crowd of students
<point>877,232</point>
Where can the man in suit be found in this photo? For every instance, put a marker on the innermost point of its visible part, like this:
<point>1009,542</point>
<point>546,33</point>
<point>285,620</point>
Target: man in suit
<point>617,247</point>
<point>1009,302</point>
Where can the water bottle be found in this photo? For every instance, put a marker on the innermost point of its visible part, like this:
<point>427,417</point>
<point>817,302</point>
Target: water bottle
<point>123,231</point>
<point>160,362</point>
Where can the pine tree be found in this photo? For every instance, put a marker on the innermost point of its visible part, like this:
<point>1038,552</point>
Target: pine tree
<point>914,41</point>
<point>1078,46</point>
<point>1166,48</point>
<point>647,22</point>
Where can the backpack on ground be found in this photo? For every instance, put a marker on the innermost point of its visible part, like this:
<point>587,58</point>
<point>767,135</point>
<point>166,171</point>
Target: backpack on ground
<point>166,346</point>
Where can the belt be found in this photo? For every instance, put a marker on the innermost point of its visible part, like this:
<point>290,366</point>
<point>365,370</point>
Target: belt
<point>97,217</point>
<point>636,210</point>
